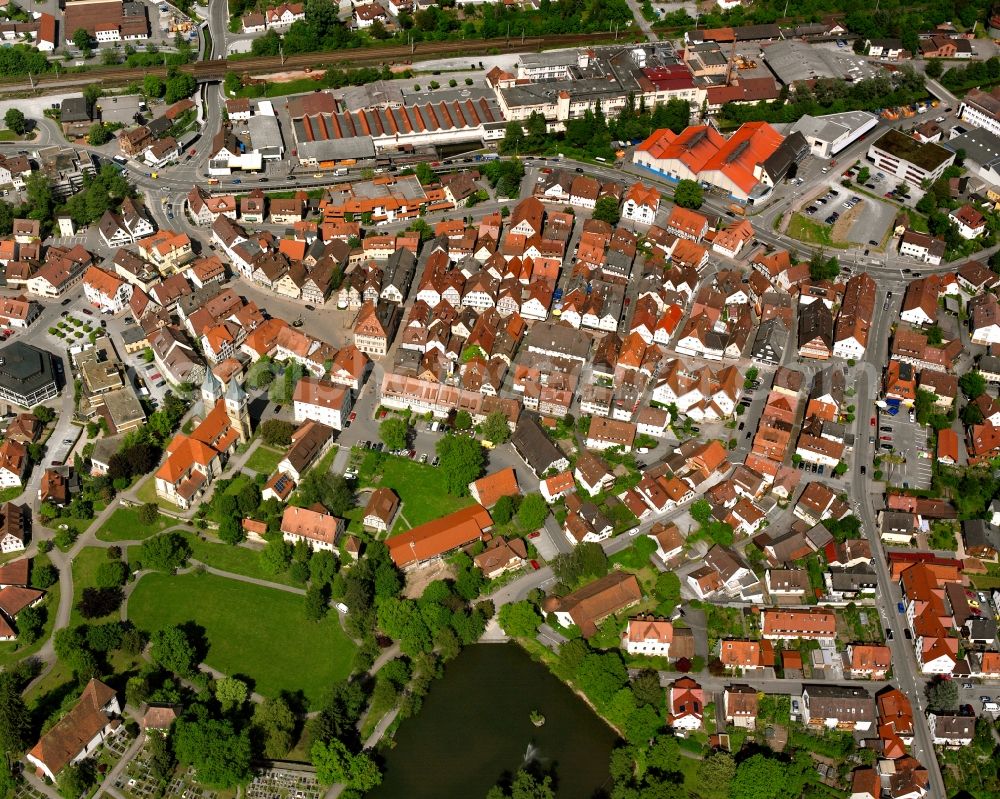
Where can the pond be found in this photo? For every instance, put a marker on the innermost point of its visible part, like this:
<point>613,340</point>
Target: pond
<point>474,727</point>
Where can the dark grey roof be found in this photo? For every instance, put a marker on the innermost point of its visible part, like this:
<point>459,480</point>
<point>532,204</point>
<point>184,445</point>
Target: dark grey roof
<point>772,337</point>
<point>816,321</point>
<point>24,368</point>
<point>792,150</point>
<point>534,445</point>
<point>853,578</point>
<point>75,109</point>
<point>159,127</point>
<point>549,337</point>
<point>978,533</point>
<point>399,270</point>
<point>835,701</point>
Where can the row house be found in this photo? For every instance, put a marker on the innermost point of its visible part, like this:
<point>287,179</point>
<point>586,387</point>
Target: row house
<point>686,224</point>
<point>792,624</point>
<point>850,338</point>
<point>167,250</point>
<point>205,208</point>
<point>641,203</point>
<point>106,291</point>
<point>912,347</point>
<point>125,226</point>
<point>63,269</point>
<point>702,393</point>
<point>731,240</point>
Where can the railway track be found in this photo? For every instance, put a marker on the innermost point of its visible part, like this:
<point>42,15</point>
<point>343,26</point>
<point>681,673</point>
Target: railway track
<point>217,69</point>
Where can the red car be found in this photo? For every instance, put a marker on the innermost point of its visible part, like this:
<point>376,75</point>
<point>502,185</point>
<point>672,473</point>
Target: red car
<point>535,534</point>
<point>353,416</point>
<point>534,565</point>
<point>873,421</point>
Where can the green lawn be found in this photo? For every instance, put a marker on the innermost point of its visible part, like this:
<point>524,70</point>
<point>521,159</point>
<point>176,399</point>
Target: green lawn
<point>281,89</point>
<point>11,651</point>
<point>264,459</point>
<point>804,229</point>
<point>235,559</point>
<point>85,566</point>
<point>146,492</point>
<point>124,525</point>
<point>917,221</point>
<point>420,487</point>
<point>12,493</point>
<point>258,632</point>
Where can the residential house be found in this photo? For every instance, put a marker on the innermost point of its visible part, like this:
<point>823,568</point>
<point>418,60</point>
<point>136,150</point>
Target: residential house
<point>792,624</point>
<point>837,707</point>
<point>741,706</point>
<point>381,509</point>
<point>687,706</point>
<point>648,635</point>
<point>591,604</point>
<point>316,528</point>
<point>322,401</point>
<point>489,489</point>
<point>501,556</point>
<point>440,536</point>
<point>309,443</point>
<point>868,661</point>
<point>79,733</point>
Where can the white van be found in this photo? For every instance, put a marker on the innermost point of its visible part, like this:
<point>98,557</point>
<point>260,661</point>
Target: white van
<point>991,707</point>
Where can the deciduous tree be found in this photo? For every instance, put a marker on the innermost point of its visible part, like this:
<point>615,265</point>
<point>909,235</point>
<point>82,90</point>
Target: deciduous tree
<point>607,210</point>
<point>688,194</point>
<point>164,552</point>
<point>231,693</point>
<point>973,384</point>
<point>111,574</point>
<point>219,754</point>
<point>274,725</point>
<point>394,433</point>
<point>533,512</point>
<point>173,650</point>
<point>462,462</point>
<point>15,121</point>
<point>495,428</point>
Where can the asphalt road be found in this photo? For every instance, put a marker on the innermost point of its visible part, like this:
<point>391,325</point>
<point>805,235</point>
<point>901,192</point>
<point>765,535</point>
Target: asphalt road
<point>174,184</point>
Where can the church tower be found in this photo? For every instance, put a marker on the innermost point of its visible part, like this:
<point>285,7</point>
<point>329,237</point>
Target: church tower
<point>211,392</point>
<point>237,409</point>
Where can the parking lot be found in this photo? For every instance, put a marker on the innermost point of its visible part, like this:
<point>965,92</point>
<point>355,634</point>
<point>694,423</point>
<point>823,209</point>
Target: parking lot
<point>870,218</point>
<point>898,436</point>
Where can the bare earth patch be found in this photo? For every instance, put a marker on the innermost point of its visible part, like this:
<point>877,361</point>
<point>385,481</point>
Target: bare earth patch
<point>419,578</point>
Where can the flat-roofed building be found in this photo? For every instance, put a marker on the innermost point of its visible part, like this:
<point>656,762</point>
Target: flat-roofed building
<point>907,159</point>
